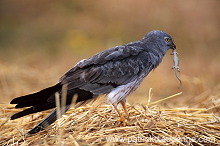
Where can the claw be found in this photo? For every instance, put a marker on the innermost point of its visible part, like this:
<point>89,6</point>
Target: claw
<point>121,118</point>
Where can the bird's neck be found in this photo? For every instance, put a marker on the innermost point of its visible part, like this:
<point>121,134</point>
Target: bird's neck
<point>155,53</point>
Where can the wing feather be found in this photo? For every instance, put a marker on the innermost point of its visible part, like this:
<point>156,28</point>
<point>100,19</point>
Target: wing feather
<point>108,69</point>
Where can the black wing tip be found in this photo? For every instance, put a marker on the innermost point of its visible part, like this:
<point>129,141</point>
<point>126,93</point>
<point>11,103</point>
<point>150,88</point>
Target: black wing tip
<point>32,131</point>
<point>51,90</point>
<point>14,101</point>
<point>18,99</point>
<point>18,106</point>
<point>13,117</point>
<point>36,130</point>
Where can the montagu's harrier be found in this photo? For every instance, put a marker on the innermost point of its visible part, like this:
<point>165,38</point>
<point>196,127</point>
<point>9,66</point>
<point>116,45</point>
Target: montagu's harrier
<point>116,72</point>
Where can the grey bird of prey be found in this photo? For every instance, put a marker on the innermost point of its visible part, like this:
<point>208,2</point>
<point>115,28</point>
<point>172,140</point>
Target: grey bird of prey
<point>116,72</point>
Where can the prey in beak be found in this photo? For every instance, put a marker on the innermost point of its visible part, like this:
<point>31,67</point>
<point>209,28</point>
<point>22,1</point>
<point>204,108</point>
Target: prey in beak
<point>176,63</point>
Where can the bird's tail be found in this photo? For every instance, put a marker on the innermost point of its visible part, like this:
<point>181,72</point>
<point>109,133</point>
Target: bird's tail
<point>45,100</point>
<point>37,101</point>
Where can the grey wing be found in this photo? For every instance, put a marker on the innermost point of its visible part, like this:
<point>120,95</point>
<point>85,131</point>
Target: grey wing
<point>108,69</point>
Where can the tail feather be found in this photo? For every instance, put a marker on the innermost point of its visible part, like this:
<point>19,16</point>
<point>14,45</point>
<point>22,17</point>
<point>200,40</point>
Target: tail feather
<point>51,118</point>
<point>22,113</point>
<point>32,110</point>
<point>36,98</point>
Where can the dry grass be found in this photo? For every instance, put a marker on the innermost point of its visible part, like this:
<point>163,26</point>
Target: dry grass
<point>100,125</point>
<point>40,42</point>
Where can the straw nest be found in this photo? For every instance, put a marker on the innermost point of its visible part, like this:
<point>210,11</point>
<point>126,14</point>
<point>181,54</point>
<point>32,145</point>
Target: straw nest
<point>99,125</point>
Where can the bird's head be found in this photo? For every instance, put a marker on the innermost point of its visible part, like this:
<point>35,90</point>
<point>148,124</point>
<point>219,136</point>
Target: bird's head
<point>160,38</point>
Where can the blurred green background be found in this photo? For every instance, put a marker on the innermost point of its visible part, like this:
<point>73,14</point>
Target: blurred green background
<point>41,39</point>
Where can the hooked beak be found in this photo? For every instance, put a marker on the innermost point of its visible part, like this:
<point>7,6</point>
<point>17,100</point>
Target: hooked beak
<point>173,47</point>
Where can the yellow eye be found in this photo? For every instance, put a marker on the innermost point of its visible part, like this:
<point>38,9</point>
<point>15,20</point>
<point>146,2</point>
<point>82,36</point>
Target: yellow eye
<point>167,40</point>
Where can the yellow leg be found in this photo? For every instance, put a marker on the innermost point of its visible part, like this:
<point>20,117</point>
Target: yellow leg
<point>122,119</point>
<point>125,108</point>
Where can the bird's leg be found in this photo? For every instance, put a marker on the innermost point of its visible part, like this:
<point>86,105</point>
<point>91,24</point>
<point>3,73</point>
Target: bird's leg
<point>122,119</point>
<point>125,108</point>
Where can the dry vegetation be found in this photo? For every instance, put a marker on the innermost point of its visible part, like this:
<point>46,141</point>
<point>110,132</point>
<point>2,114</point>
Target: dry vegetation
<point>40,42</point>
<point>99,124</point>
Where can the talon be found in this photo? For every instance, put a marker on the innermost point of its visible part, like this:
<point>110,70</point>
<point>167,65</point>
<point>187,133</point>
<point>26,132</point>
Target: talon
<point>122,120</point>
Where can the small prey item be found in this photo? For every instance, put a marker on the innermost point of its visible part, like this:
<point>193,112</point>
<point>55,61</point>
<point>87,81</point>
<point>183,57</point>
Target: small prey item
<point>176,66</point>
